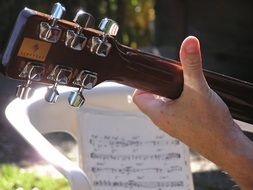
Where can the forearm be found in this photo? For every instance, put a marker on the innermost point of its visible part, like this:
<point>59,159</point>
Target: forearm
<point>236,157</point>
<point>240,166</point>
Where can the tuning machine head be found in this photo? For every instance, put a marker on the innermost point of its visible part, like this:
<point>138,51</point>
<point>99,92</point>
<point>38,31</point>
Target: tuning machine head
<point>85,80</point>
<point>109,27</point>
<point>84,19</point>
<point>50,32</point>
<point>57,12</point>
<point>76,99</point>
<point>100,45</point>
<point>52,94</point>
<point>31,72</point>
<point>75,39</point>
<point>59,75</point>
<point>24,91</point>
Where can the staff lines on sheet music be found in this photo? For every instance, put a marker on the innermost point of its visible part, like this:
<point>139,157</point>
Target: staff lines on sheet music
<point>135,161</point>
<point>167,156</point>
<point>139,184</point>
<point>129,170</point>
<point>127,143</point>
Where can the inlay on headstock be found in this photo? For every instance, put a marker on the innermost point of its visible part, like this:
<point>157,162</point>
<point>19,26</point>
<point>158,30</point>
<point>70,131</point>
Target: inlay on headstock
<point>47,49</point>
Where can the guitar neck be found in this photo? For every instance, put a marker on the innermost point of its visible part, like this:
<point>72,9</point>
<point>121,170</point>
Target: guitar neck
<point>237,94</point>
<point>164,77</point>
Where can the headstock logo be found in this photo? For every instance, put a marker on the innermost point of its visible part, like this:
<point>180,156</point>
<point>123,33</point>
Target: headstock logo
<point>34,49</point>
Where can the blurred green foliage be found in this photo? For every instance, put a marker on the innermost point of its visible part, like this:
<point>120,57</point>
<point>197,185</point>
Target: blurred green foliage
<point>14,178</point>
<point>133,16</point>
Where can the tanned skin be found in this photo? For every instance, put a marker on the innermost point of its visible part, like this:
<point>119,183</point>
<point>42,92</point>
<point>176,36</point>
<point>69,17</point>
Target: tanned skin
<point>200,119</point>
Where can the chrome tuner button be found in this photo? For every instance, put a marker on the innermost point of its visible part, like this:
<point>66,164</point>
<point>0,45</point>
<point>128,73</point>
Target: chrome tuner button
<point>77,40</point>
<point>100,45</point>
<point>50,32</point>
<point>31,72</point>
<point>85,80</point>
<point>57,11</point>
<point>84,19</point>
<point>59,75</point>
<point>76,99</point>
<point>24,91</point>
<point>109,27</point>
<point>52,94</point>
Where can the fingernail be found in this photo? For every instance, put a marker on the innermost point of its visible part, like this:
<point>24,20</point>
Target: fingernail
<point>192,46</point>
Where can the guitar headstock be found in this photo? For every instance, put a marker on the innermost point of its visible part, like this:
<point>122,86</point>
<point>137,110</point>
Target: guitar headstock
<point>50,50</point>
<point>47,49</point>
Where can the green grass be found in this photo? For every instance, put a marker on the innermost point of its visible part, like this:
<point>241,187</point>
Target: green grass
<point>12,178</point>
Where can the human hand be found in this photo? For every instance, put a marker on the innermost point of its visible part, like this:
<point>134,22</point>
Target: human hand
<point>199,117</point>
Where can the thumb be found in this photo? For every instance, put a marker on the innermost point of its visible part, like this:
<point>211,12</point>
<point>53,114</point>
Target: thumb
<point>190,57</point>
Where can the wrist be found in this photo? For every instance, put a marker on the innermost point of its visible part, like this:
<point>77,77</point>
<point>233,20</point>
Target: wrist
<point>239,160</point>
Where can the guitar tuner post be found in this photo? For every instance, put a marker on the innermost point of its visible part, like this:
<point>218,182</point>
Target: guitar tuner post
<point>60,76</point>
<point>76,40</point>
<point>85,80</point>
<point>50,32</point>
<point>99,45</point>
<point>31,72</point>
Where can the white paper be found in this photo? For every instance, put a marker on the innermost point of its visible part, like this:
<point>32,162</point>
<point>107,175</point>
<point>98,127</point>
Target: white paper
<point>126,151</point>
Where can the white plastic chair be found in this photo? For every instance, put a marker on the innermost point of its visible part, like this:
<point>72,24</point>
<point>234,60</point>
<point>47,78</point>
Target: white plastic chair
<point>108,115</point>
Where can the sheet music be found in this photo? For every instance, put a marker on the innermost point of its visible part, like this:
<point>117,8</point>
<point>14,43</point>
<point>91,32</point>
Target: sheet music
<point>128,152</point>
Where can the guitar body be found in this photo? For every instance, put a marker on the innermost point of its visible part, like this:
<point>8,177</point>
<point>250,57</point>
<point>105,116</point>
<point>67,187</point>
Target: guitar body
<point>125,65</point>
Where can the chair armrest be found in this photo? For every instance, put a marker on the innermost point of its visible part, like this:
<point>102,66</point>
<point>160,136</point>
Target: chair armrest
<point>16,114</point>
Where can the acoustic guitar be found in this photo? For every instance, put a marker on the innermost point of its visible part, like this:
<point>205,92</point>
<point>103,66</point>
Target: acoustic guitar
<point>47,49</point>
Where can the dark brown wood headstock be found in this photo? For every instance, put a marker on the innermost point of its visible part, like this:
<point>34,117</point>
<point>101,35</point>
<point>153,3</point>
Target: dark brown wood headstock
<point>31,58</point>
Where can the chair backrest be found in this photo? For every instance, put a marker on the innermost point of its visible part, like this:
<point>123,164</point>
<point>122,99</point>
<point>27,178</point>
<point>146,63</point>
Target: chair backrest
<point>119,147</point>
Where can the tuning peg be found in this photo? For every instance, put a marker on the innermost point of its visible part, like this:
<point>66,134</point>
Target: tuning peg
<point>77,40</point>
<point>24,91</point>
<point>109,27</point>
<point>85,80</point>
<point>50,32</point>
<point>84,19</point>
<point>31,72</point>
<point>100,45</point>
<point>59,75</point>
<point>52,94</point>
<point>76,99</point>
<point>57,12</point>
